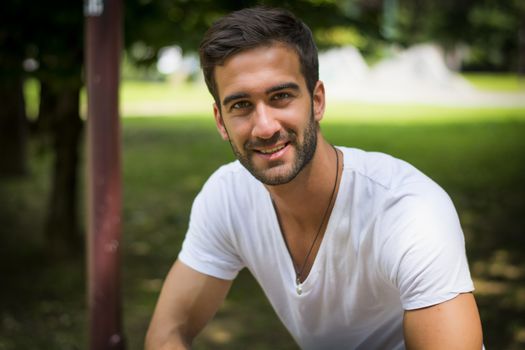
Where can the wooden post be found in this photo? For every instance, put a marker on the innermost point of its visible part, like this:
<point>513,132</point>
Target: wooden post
<point>103,53</point>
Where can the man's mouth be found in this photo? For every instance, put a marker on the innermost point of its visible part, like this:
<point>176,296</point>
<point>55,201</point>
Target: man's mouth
<point>272,150</point>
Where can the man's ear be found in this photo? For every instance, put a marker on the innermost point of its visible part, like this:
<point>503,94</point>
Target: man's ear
<point>219,122</point>
<point>318,98</point>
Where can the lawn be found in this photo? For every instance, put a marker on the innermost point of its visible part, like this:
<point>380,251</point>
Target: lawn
<point>477,155</point>
<point>496,81</point>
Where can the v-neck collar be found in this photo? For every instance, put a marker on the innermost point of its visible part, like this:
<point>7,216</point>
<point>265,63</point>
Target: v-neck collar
<point>333,221</point>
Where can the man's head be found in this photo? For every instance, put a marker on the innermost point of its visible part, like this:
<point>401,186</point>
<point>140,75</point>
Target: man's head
<point>254,27</point>
<point>261,67</point>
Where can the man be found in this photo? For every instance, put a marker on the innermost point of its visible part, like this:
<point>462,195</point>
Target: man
<point>353,249</point>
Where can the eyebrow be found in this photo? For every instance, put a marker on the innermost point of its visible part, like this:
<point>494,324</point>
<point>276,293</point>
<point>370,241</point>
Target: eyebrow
<point>275,88</point>
<point>282,86</point>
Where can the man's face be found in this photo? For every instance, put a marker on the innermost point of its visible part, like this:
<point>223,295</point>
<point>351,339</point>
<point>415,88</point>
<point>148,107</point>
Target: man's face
<point>266,112</point>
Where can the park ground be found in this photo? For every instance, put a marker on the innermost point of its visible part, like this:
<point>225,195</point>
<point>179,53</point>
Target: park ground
<point>476,154</point>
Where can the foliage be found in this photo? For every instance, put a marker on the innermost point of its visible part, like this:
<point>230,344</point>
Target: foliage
<point>494,33</point>
<point>489,29</point>
<point>150,25</point>
<point>51,34</point>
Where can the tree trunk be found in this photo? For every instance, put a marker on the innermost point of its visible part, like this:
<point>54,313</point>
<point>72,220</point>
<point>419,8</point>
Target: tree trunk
<point>59,112</point>
<point>521,49</point>
<point>13,128</point>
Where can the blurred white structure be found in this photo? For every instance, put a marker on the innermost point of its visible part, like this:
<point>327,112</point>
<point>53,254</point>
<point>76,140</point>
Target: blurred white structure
<point>344,67</point>
<point>421,66</point>
<point>170,59</point>
<point>173,63</point>
<point>416,75</point>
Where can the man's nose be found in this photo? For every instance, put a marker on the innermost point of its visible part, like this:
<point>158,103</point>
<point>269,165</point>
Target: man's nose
<point>265,124</point>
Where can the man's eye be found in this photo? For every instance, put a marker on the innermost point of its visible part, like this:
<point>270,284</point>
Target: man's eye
<point>241,105</point>
<point>281,96</point>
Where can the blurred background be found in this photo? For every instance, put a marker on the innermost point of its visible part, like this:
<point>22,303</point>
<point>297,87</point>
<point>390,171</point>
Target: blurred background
<point>437,83</point>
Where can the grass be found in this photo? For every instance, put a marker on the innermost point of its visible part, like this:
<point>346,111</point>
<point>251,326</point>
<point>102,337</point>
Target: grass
<point>139,98</point>
<point>479,163</point>
<point>501,82</point>
<point>475,154</point>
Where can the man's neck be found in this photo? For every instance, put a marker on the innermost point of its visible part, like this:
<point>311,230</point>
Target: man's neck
<point>303,199</point>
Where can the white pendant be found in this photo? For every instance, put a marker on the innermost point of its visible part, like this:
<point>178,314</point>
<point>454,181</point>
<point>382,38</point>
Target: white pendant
<point>299,288</point>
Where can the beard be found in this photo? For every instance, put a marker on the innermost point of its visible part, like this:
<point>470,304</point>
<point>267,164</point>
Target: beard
<point>305,150</point>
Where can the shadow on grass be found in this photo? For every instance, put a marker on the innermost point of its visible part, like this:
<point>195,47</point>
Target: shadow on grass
<point>165,163</point>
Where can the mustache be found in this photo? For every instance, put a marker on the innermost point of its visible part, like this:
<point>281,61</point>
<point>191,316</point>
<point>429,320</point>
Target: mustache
<point>278,137</point>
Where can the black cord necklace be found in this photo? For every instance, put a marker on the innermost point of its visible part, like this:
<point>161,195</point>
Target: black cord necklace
<point>299,273</point>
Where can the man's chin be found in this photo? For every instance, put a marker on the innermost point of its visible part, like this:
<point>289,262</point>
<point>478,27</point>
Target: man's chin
<point>271,173</point>
<point>274,176</point>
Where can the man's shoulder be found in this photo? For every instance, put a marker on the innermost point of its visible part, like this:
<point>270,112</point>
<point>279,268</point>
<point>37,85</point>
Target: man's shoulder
<point>230,179</point>
<point>381,169</point>
<point>231,169</point>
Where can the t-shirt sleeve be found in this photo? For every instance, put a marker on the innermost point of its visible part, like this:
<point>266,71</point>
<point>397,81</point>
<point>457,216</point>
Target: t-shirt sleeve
<point>208,246</point>
<point>424,254</point>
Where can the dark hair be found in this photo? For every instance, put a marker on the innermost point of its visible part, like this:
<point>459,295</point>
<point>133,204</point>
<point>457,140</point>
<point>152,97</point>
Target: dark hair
<point>253,27</point>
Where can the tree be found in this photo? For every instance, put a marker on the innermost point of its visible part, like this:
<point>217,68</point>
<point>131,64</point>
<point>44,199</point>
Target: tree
<point>12,114</point>
<point>151,25</point>
<point>488,28</point>
<point>51,34</point>
<point>60,53</point>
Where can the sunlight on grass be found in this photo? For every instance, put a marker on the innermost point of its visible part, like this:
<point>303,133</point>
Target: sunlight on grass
<point>144,98</point>
<point>502,82</point>
<point>165,99</point>
<point>162,91</point>
<point>373,113</point>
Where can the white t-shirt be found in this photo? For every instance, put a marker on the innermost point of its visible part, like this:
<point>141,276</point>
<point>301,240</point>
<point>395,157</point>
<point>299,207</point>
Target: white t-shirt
<point>393,242</point>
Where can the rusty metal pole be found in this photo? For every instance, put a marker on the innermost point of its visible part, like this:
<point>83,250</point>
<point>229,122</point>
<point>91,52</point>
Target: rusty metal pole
<point>103,53</point>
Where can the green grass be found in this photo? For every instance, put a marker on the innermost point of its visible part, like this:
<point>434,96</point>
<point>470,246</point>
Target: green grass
<point>477,155</point>
<point>161,91</point>
<point>422,114</point>
<point>141,98</point>
<point>500,82</point>
<point>480,163</point>
<point>167,160</point>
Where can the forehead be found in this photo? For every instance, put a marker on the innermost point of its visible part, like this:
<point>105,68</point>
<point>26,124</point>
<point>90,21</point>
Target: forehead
<point>258,69</point>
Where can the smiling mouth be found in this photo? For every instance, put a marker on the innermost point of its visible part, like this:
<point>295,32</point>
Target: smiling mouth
<point>272,150</point>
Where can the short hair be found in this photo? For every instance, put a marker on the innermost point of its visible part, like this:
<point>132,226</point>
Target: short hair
<point>254,27</point>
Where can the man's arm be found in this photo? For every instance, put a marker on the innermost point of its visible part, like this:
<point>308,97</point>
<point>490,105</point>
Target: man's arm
<point>188,300</point>
<point>454,324</point>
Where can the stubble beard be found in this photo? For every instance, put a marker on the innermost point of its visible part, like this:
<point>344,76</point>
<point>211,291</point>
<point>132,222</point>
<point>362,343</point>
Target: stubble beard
<point>304,153</point>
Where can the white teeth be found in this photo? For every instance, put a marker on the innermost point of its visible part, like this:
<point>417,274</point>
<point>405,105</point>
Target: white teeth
<point>271,150</point>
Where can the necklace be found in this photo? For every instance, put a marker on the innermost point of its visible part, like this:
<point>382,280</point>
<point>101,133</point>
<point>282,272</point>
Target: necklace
<point>299,273</point>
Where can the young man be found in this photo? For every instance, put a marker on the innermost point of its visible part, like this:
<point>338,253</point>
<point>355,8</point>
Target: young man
<point>354,250</point>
